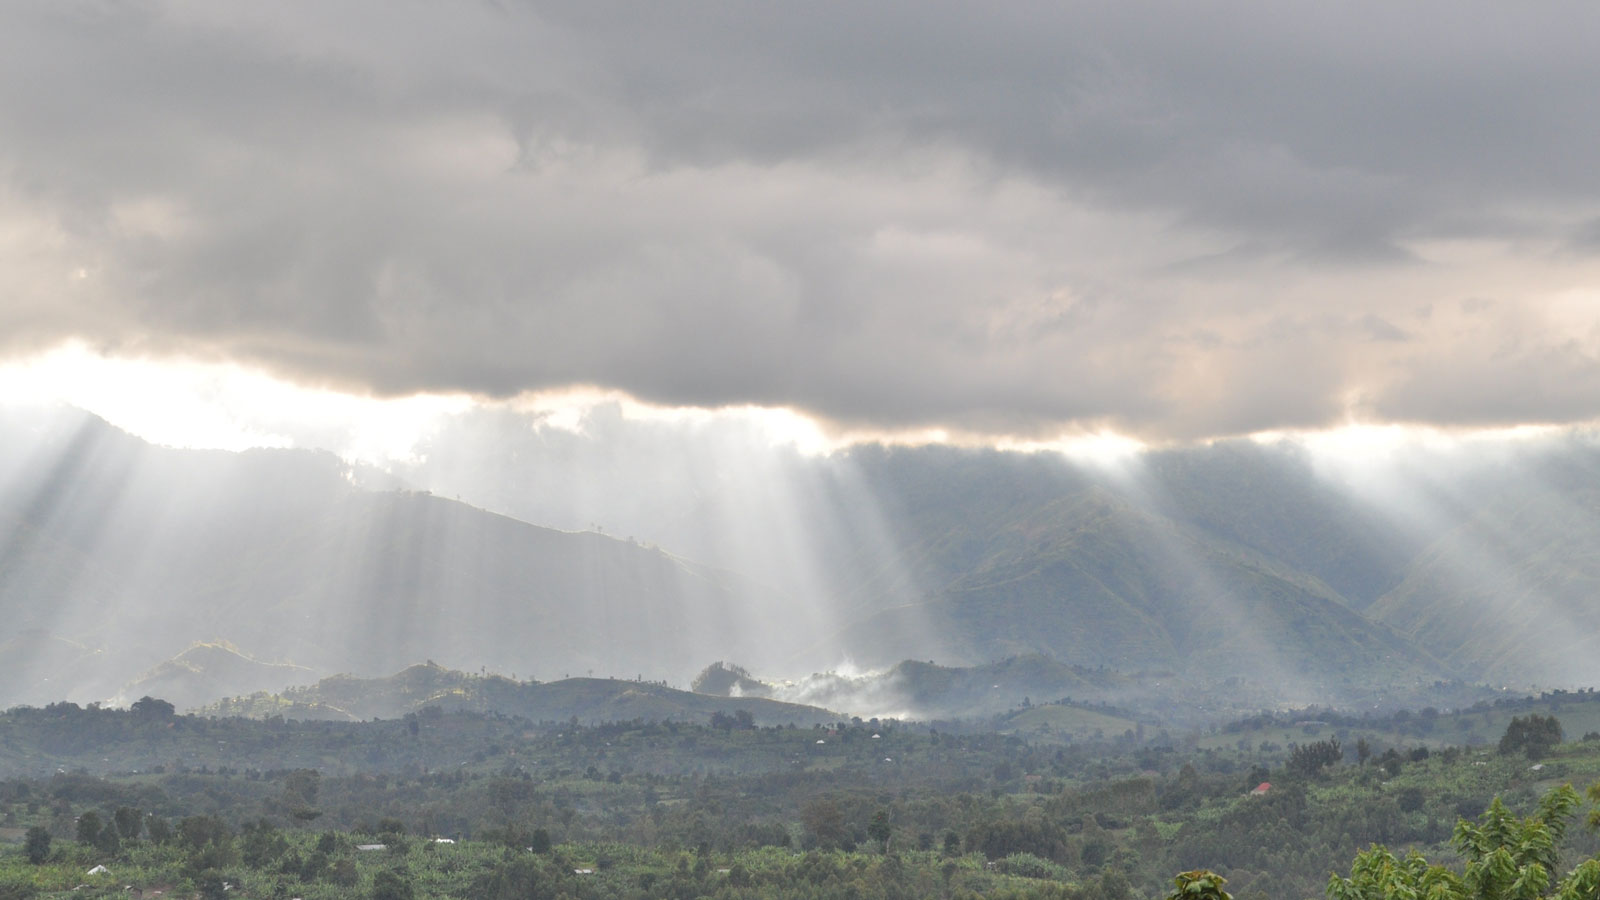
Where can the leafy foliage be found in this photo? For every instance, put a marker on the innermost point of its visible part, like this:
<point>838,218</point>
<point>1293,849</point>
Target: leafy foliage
<point>1507,858</point>
<point>1533,735</point>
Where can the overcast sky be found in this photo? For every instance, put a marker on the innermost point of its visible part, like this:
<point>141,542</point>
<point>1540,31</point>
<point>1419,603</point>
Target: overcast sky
<point>1169,221</point>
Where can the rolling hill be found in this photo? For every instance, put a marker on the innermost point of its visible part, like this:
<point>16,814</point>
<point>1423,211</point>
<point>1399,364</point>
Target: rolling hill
<point>347,698</point>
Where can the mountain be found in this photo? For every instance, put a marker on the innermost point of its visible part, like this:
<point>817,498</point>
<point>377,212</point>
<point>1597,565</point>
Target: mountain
<point>133,553</point>
<point>1509,594</point>
<point>205,671</point>
<point>1024,555</point>
<point>1238,567</point>
<point>344,697</point>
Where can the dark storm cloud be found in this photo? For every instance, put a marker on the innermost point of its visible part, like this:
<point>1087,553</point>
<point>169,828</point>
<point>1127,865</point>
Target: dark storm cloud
<point>1177,220</point>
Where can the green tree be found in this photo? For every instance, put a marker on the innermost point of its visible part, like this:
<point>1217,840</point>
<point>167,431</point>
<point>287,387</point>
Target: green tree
<point>387,885</point>
<point>37,844</point>
<point>879,829</point>
<point>823,819</point>
<point>195,832</point>
<point>1507,858</point>
<point>1533,735</point>
<point>1310,759</point>
<point>261,844</point>
<point>88,830</point>
<point>149,708</point>
<point>129,822</point>
<point>1377,874</point>
<point>1199,884</point>
<point>107,841</point>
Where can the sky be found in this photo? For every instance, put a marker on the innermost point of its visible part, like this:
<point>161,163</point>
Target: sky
<point>342,223</point>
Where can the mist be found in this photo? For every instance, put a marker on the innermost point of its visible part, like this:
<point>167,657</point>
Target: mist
<point>613,543</point>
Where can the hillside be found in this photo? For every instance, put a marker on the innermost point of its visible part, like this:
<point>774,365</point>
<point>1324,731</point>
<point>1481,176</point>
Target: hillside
<point>134,553</point>
<point>1238,568</point>
<point>589,700</point>
<point>1094,579</point>
<point>1510,592</point>
<point>926,691</point>
<point>201,673</point>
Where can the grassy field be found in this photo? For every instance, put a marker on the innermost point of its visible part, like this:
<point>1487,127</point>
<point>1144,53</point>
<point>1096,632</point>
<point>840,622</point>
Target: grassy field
<point>1056,721</point>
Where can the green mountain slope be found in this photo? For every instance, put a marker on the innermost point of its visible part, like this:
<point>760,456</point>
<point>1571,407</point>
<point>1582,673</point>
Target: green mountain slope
<point>1511,593</point>
<point>1093,579</point>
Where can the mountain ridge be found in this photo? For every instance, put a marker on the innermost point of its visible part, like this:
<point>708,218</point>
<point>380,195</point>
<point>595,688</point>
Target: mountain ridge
<point>1236,561</point>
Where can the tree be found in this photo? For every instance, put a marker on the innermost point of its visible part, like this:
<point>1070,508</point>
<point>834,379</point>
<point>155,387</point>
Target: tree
<point>1377,874</point>
<point>300,788</point>
<point>37,844</point>
<point>1511,857</point>
<point>387,885</point>
<point>1310,759</point>
<point>196,832</point>
<point>1534,735</point>
<point>1507,858</point>
<point>879,829</point>
<point>1199,884</point>
<point>262,844</point>
<point>107,841</point>
<point>825,822</point>
<point>149,708</point>
<point>129,822</point>
<point>88,832</point>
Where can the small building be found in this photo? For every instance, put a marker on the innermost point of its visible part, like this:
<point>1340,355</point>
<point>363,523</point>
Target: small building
<point>372,846</point>
<point>1261,788</point>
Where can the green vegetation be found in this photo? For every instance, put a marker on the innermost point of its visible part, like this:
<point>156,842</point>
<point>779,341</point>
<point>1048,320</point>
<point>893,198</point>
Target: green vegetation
<point>468,804</point>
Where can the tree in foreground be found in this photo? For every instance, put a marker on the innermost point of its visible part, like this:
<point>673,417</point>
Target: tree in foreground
<point>1508,858</point>
<point>1200,884</point>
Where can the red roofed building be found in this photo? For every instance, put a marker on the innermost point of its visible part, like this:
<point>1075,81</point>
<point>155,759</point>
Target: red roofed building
<point>1261,788</point>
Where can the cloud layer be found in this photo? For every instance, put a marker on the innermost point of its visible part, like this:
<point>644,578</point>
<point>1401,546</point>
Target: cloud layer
<point>1173,221</point>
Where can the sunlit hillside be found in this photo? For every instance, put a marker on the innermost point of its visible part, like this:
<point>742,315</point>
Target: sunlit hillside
<point>1236,563</point>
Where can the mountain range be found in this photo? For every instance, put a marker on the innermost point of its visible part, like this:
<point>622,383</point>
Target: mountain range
<point>124,567</point>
